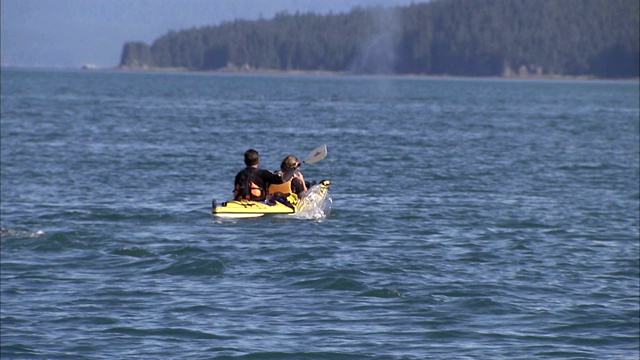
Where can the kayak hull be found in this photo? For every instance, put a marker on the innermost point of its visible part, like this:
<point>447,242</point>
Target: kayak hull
<point>240,209</point>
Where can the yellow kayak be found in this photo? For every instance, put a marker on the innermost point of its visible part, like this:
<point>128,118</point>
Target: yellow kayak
<point>237,209</point>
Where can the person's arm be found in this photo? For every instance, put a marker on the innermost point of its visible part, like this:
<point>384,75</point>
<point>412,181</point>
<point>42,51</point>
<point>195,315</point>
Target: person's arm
<point>300,178</point>
<point>236,187</point>
<point>269,177</point>
<point>297,186</point>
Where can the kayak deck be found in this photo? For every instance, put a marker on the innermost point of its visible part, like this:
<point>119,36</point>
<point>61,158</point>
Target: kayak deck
<point>239,209</point>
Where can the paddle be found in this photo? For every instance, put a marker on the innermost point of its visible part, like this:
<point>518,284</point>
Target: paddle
<point>314,156</point>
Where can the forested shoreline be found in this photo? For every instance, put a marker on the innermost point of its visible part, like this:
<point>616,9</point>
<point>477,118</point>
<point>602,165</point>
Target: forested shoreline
<point>443,37</point>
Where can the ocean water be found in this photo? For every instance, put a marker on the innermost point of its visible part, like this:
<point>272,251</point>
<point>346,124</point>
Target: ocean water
<point>470,218</point>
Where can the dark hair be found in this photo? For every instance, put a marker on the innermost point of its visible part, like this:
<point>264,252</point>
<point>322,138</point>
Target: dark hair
<point>251,157</point>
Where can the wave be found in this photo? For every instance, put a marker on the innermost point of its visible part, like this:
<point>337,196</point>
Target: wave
<point>333,283</point>
<point>382,293</point>
<point>15,233</point>
<point>279,355</point>
<point>192,267</point>
<point>178,333</point>
<point>133,252</point>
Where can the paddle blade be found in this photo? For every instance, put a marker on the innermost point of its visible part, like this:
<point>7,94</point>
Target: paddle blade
<point>316,155</point>
<point>288,175</point>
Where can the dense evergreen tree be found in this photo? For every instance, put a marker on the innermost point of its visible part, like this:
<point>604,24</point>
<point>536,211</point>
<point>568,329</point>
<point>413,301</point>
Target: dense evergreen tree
<point>136,54</point>
<point>455,37</point>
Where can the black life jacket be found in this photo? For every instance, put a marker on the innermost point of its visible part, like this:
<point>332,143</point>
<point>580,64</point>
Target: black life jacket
<point>247,189</point>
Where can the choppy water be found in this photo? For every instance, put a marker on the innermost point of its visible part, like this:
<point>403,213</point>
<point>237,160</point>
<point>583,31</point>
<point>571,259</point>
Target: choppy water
<point>471,219</point>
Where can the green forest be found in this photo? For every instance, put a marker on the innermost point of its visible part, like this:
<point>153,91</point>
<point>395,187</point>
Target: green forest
<point>598,38</point>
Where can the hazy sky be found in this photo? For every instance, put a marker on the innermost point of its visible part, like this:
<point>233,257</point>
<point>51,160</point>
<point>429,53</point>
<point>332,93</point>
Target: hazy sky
<point>70,33</point>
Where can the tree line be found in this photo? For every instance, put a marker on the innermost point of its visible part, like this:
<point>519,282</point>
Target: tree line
<point>442,37</point>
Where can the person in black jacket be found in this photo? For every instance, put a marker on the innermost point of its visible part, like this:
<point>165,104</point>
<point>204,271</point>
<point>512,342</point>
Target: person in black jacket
<point>251,183</point>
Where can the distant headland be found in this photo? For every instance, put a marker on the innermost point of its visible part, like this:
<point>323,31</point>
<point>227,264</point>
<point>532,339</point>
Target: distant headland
<point>494,38</point>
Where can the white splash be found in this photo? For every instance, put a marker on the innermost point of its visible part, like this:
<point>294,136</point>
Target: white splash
<point>20,233</point>
<point>315,204</point>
